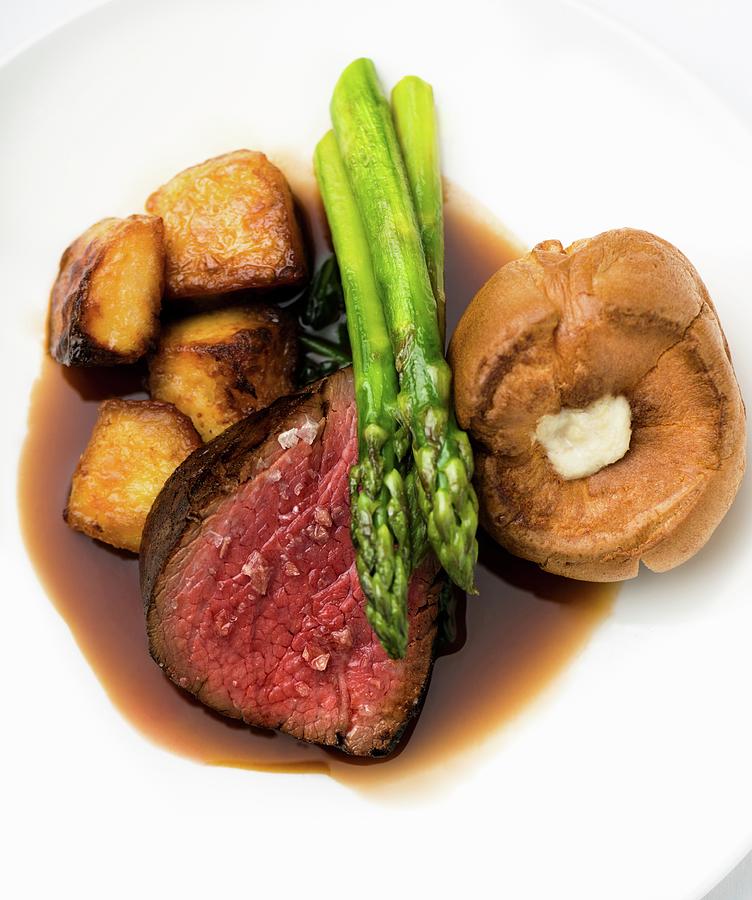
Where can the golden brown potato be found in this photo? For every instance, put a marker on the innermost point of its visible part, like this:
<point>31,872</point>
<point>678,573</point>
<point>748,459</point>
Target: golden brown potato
<point>104,306</point>
<point>229,224</point>
<point>219,366</point>
<point>134,448</point>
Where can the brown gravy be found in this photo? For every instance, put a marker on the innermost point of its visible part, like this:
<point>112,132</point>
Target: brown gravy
<point>512,639</point>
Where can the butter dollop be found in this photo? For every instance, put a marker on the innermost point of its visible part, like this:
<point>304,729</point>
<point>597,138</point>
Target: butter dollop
<point>580,442</point>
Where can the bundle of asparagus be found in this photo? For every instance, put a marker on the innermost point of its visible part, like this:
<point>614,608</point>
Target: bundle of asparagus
<point>381,188</point>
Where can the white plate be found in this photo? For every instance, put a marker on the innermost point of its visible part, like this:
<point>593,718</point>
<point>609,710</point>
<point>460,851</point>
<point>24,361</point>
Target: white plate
<point>629,778</point>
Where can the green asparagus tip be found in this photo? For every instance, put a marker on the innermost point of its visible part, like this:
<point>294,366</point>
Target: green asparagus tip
<point>379,506</point>
<point>391,160</point>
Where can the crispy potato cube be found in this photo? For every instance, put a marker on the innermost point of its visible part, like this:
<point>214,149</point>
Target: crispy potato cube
<point>134,448</point>
<point>229,224</point>
<point>221,365</point>
<point>104,306</point>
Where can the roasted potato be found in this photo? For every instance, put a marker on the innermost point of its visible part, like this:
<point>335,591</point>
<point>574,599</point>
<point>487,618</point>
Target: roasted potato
<point>229,224</point>
<point>134,448</point>
<point>104,305</point>
<point>221,365</point>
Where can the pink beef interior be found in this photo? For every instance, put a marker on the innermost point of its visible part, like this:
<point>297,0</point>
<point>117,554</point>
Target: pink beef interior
<point>260,612</point>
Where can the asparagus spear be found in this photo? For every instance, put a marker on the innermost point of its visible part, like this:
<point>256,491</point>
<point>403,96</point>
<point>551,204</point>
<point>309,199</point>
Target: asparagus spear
<point>443,458</point>
<point>414,115</point>
<point>380,529</point>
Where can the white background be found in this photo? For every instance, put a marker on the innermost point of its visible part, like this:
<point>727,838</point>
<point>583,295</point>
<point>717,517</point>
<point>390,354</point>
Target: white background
<point>709,38</point>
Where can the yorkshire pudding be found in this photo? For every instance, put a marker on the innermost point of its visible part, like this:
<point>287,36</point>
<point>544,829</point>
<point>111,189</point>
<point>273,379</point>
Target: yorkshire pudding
<point>620,315</point>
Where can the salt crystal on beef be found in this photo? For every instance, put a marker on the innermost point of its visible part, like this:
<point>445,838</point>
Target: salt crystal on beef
<point>226,541</point>
<point>216,539</point>
<point>322,516</point>
<point>224,623</point>
<point>315,658</point>
<point>308,430</point>
<point>258,571</point>
<point>286,518</point>
<point>288,438</point>
<point>318,533</point>
<point>343,637</point>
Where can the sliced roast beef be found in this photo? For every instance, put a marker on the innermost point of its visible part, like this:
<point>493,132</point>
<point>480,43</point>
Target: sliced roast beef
<point>252,596</point>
